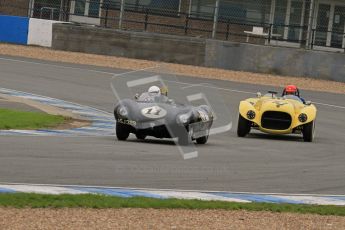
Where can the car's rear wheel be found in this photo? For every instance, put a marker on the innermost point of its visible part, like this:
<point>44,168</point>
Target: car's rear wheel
<point>122,132</point>
<point>140,136</point>
<point>243,127</point>
<point>308,131</point>
<point>202,140</point>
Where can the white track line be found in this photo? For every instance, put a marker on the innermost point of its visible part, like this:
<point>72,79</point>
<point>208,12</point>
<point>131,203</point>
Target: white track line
<point>58,66</point>
<point>211,86</point>
<point>134,71</point>
<point>335,106</point>
<point>77,68</point>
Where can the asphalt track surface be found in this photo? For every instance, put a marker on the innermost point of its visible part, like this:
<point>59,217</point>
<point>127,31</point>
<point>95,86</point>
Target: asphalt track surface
<point>257,163</point>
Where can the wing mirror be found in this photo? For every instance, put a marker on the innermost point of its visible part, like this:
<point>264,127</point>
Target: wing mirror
<point>258,94</point>
<point>136,96</point>
<point>308,102</point>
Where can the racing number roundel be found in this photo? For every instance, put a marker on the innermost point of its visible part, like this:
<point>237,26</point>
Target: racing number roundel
<point>154,112</point>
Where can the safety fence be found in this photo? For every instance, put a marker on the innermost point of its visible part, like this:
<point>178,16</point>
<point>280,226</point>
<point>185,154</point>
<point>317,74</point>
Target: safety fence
<point>302,23</point>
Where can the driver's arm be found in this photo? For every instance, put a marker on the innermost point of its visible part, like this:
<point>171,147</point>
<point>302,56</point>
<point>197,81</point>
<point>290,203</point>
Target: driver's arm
<point>302,99</point>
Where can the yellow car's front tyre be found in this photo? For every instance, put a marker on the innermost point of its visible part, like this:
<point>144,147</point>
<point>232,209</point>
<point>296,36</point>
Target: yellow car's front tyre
<point>243,127</point>
<point>308,131</point>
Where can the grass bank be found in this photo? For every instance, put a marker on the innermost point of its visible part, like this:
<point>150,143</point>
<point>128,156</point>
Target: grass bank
<point>24,200</point>
<point>13,119</point>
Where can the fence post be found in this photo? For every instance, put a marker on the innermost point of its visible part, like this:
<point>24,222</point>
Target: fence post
<point>146,18</point>
<point>67,10</point>
<point>61,11</point>
<point>215,19</point>
<point>122,8</point>
<point>312,39</point>
<point>31,8</point>
<point>227,30</point>
<point>270,33</point>
<point>344,41</point>
<point>310,23</point>
<point>106,16</point>
<point>186,25</point>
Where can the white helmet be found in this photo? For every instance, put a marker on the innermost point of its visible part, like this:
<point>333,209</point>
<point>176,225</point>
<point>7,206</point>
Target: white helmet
<point>154,91</point>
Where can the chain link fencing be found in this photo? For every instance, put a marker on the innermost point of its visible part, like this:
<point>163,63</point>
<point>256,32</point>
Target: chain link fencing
<point>296,23</point>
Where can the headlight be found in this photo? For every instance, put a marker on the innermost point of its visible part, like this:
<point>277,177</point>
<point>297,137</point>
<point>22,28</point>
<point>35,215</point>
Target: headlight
<point>183,118</point>
<point>303,117</point>
<point>251,114</point>
<point>122,111</point>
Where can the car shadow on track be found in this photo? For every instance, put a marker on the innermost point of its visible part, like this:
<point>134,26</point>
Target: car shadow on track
<point>295,138</point>
<point>152,141</point>
<point>162,142</point>
<point>167,142</point>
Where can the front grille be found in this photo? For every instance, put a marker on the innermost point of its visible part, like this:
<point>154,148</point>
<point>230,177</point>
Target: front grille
<point>275,120</point>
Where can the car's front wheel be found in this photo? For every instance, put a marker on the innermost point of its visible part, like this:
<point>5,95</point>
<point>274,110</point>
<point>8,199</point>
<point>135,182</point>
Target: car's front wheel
<point>243,127</point>
<point>122,132</point>
<point>202,140</point>
<point>308,131</point>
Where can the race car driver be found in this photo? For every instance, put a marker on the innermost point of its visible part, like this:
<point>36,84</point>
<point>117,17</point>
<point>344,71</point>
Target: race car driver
<point>292,90</point>
<point>154,94</point>
<point>154,91</point>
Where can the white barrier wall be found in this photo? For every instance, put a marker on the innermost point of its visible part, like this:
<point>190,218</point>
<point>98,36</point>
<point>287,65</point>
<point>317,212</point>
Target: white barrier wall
<point>40,32</point>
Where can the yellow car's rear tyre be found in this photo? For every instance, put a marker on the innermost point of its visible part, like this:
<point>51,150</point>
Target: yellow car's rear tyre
<point>243,127</point>
<point>308,131</point>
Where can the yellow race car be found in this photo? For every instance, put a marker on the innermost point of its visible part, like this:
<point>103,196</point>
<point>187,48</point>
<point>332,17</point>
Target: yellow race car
<point>277,115</point>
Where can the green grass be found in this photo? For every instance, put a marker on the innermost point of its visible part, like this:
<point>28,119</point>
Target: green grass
<point>21,200</point>
<point>13,119</point>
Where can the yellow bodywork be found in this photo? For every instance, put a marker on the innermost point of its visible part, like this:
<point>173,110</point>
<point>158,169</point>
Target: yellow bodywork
<point>271,103</point>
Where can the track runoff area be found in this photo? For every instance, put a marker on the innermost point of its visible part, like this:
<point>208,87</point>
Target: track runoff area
<point>277,169</point>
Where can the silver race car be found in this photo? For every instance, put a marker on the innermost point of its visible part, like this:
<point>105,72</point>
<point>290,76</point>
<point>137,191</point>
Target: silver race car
<point>158,116</point>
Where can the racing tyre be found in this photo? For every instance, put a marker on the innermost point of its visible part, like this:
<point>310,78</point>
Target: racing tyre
<point>140,136</point>
<point>243,127</point>
<point>122,132</point>
<point>308,131</point>
<point>202,140</point>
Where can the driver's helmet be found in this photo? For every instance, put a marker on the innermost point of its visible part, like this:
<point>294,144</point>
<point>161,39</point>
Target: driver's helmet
<point>291,90</point>
<point>154,91</point>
